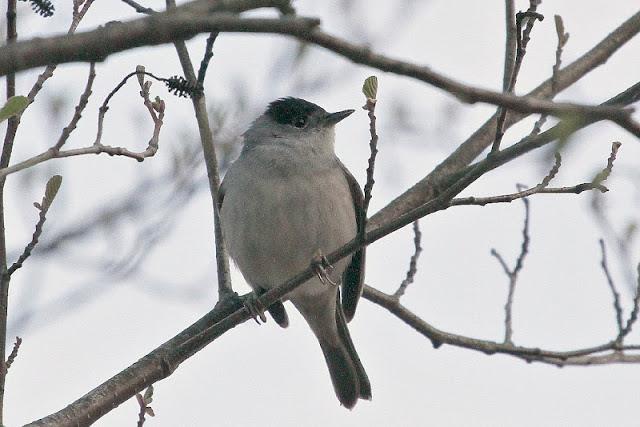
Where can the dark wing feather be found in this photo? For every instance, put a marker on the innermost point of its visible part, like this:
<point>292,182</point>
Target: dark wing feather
<point>353,277</point>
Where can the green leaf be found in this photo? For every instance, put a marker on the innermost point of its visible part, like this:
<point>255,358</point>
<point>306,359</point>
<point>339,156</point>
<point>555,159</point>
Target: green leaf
<point>14,106</point>
<point>370,87</point>
<point>53,185</point>
<point>148,395</point>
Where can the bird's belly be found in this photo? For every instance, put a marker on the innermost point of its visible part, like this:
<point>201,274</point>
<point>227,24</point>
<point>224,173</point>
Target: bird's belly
<point>281,224</point>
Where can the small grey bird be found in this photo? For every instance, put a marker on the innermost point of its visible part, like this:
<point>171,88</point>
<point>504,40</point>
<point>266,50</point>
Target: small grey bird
<point>287,200</point>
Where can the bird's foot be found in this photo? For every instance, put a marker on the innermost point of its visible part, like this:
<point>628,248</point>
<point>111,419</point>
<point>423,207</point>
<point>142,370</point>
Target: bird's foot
<point>254,308</point>
<point>323,268</point>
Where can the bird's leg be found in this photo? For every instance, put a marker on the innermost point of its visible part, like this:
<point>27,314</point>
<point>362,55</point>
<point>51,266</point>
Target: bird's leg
<point>254,308</point>
<point>323,268</point>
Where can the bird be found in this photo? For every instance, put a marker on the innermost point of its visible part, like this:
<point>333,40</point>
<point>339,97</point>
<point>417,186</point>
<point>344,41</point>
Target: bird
<point>286,201</point>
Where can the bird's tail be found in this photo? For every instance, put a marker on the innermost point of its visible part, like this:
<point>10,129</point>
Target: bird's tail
<point>348,376</point>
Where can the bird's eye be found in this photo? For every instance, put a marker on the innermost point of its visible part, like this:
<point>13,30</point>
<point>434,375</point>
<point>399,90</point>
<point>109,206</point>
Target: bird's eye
<point>300,122</point>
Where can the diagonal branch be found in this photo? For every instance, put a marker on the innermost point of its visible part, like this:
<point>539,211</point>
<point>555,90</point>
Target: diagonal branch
<point>426,189</point>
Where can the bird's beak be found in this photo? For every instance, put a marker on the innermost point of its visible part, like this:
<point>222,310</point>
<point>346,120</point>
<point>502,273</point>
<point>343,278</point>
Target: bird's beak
<point>333,118</point>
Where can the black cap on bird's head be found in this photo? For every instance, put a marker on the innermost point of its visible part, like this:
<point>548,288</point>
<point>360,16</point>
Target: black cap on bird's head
<point>299,113</point>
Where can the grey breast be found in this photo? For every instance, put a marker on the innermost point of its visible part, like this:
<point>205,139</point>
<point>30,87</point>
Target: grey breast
<point>276,218</point>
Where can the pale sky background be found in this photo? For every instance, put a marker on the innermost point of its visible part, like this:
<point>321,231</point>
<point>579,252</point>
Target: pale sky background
<point>81,325</point>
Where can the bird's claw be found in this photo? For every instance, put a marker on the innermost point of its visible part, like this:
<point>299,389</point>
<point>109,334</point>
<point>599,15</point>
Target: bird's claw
<point>323,268</point>
<point>254,308</point>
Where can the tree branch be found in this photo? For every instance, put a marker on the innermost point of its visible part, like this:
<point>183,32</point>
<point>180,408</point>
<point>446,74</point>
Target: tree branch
<point>210,157</point>
<point>98,44</point>
<point>427,188</point>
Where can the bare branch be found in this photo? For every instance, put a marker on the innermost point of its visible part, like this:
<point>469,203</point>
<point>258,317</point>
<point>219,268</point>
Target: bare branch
<point>607,353</point>
<point>97,44</point>
<point>634,312</point>
<point>50,193</point>
<point>563,38</point>
<point>553,172</point>
<point>156,112</point>
<point>208,54</point>
<point>12,356</point>
<point>370,88</point>
<point>512,274</point>
<point>510,43</point>
<point>84,99</point>
<point>138,7</point>
<point>211,161</point>
<point>616,296</point>
<point>604,174</point>
<point>522,39</point>
<point>77,16</point>
<point>428,187</point>
<point>413,262</point>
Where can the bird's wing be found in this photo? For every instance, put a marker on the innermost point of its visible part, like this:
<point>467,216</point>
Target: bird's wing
<point>353,277</point>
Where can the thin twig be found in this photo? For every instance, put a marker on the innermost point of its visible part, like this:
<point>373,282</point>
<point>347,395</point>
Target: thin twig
<point>563,38</point>
<point>31,245</point>
<point>208,54</point>
<point>139,8</point>
<point>12,355</point>
<point>553,172</point>
<point>512,274</point>
<point>616,296</point>
<point>370,106</point>
<point>508,198</point>
<point>143,402</point>
<point>84,99</point>
<point>413,262</point>
<point>522,39</point>
<point>77,16</point>
<point>53,185</point>
<point>211,162</point>
<point>606,172</point>
<point>634,312</point>
<point>156,111</point>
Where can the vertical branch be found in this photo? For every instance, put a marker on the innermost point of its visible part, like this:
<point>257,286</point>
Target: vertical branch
<point>510,43</point>
<point>7,147</point>
<point>211,162</point>
<point>513,274</point>
<point>208,54</point>
<point>522,39</point>
<point>616,296</point>
<point>633,317</point>
<point>370,90</point>
<point>413,262</point>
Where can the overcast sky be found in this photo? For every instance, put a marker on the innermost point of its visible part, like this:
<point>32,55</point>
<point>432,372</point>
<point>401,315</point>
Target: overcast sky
<point>81,325</point>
